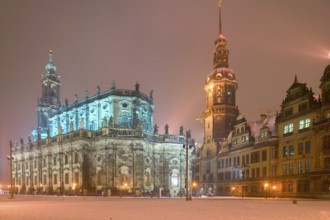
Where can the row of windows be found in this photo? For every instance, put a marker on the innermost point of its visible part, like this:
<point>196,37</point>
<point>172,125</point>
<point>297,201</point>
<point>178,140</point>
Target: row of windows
<point>244,139</point>
<point>302,186</point>
<point>302,107</point>
<point>243,174</point>
<point>46,179</point>
<point>55,159</point>
<point>255,158</point>
<point>303,167</point>
<point>303,124</point>
<point>289,151</point>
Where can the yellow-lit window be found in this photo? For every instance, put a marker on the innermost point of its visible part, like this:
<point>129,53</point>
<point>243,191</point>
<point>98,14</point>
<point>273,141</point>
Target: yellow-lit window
<point>305,123</point>
<point>288,128</point>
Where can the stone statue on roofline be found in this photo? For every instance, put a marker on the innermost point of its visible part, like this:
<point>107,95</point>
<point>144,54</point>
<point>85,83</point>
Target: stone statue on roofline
<point>166,129</point>
<point>155,129</point>
<point>151,94</point>
<point>113,85</point>
<point>137,87</point>
<point>181,130</point>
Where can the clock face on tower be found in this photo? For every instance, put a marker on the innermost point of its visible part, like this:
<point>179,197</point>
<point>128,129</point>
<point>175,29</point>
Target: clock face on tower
<point>218,118</point>
<point>219,76</point>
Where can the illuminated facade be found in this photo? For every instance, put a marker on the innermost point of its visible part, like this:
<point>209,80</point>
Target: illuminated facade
<point>102,143</point>
<point>286,155</point>
<point>114,108</point>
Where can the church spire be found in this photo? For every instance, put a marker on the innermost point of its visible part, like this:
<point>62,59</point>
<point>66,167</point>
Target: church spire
<point>220,56</point>
<point>50,56</point>
<point>220,24</point>
<point>50,67</point>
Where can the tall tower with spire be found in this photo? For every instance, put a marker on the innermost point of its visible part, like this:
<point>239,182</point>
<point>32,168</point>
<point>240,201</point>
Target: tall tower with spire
<point>219,115</point>
<point>220,90</point>
<point>50,96</point>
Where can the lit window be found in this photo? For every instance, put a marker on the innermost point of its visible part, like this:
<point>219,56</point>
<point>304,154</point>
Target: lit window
<point>264,134</point>
<point>174,180</point>
<point>288,128</point>
<point>305,123</point>
<point>244,139</point>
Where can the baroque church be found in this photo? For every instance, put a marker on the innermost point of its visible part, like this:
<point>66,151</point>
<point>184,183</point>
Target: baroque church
<point>103,144</point>
<point>282,155</point>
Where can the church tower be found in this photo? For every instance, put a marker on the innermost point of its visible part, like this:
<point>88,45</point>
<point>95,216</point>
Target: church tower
<point>220,90</point>
<point>219,115</point>
<point>50,96</point>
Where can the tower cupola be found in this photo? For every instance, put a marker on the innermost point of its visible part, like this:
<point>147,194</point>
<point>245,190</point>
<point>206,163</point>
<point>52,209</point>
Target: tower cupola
<point>50,67</point>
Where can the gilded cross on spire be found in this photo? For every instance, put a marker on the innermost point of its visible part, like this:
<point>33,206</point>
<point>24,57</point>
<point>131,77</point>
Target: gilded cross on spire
<point>219,3</point>
<point>50,56</point>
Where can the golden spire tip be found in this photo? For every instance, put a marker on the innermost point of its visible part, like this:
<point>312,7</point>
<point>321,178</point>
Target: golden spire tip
<point>219,3</point>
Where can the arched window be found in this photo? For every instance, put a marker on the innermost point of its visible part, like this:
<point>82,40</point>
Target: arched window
<point>174,180</point>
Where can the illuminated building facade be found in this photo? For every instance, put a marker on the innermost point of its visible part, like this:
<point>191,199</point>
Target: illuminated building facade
<point>286,155</point>
<point>101,144</point>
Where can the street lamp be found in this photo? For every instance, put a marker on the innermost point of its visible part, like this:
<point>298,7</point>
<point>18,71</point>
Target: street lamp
<point>274,189</point>
<point>41,188</point>
<point>11,169</point>
<point>194,188</point>
<point>266,185</point>
<point>187,146</point>
<point>125,185</point>
<point>74,189</point>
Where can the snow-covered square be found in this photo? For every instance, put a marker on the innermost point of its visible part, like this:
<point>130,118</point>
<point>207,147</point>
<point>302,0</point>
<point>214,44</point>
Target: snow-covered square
<point>116,208</point>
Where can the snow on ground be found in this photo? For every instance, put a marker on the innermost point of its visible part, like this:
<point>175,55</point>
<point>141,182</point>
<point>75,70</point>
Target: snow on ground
<point>110,208</point>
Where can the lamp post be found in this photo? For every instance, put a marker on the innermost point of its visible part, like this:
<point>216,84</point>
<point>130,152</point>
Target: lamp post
<point>11,169</point>
<point>74,189</point>
<point>125,185</point>
<point>194,188</point>
<point>266,185</point>
<point>187,147</point>
<point>274,189</point>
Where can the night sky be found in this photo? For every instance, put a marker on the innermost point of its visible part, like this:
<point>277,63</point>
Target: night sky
<point>165,45</point>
